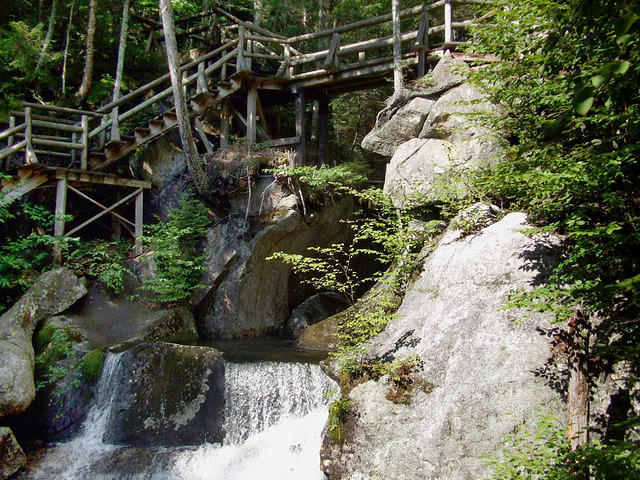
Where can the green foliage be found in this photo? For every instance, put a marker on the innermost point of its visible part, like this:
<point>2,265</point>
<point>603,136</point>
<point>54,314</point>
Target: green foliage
<point>319,183</point>
<point>92,364</point>
<point>175,250</point>
<point>101,260</point>
<point>59,347</point>
<point>338,411</point>
<point>24,248</point>
<point>545,454</point>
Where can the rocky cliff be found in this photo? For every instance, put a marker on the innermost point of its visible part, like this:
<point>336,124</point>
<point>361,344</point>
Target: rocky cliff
<point>475,369</point>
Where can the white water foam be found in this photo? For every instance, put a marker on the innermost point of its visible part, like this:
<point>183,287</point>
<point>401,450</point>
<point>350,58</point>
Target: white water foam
<point>274,414</point>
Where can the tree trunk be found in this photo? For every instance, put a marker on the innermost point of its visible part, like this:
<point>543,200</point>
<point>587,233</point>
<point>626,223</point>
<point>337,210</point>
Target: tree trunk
<point>186,135</point>
<point>87,76</point>
<point>397,49</point>
<point>257,11</point>
<point>47,38</point>
<point>121,50</point>
<point>578,392</point>
<point>66,48</point>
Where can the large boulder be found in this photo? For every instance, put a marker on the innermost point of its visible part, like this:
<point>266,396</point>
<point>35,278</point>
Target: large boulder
<point>406,123</point>
<point>477,360</point>
<point>166,394</point>
<point>244,294</point>
<point>12,458</point>
<point>52,293</point>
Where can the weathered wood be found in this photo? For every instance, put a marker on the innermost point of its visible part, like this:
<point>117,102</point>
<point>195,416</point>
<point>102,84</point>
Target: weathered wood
<point>54,108</point>
<point>249,25</point>
<point>54,143</point>
<point>14,149</point>
<point>99,178</point>
<point>95,202</point>
<point>300,126</point>
<point>409,12</point>
<point>252,97</point>
<point>323,128</point>
<point>104,212</point>
<point>203,137</point>
<point>225,123</point>
<point>46,137</point>
<point>139,226</point>
<point>29,155</point>
<point>115,125</point>
<point>202,79</point>
<point>353,48</point>
<point>448,32</point>
<point>84,140</point>
<point>282,142</point>
<point>262,119</point>
<point>51,153</point>
<point>422,40</point>
<point>23,188</point>
<point>56,126</point>
<point>261,56</point>
<point>61,207</point>
<point>45,118</point>
<point>12,130</point>
<point>331,62</point>
<point>241,62</point>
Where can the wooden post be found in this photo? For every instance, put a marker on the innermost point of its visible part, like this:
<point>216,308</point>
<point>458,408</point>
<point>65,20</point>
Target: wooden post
<point>578,391</point>
<point>422,42</point>
<point>84,158</point>
<point>203,136</point>
<point>448,36</point>
<point>116,227</point>
<point>139,223</point>
<point>184,84</point>
<point>300,126</point>
<point>115,125</point>
<point>12,124</point>
<point>225,123</point>
<point>241,64</point>
<point>29,155</point>
<point>288,71</point>
<point>61,207</point>
<point>323,122</point>
<point>252,97</point>
<point>202,80</point>
<point>74,153</point>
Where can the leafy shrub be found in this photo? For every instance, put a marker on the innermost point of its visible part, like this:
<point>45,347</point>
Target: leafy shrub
<point>175,249</point>
<point>101,260</point>
<point>338,411</point>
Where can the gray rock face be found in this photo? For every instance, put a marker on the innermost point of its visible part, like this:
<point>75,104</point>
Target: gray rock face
<point>480,360</point>
<point>52,293</point>
<point>12,458</point>
<point>313,310</point>
<point>405,124</point>
<point>167,394</point>
<point>245,295</point>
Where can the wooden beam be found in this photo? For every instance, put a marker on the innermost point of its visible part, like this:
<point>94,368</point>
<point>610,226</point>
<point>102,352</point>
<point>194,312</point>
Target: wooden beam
<point>300,126</point>
<point>84,157</point>
<point>29,155</point>
<point>282,142</point>
<point>323,123</point>
<point>23,188</point>
<point>448,34</point>
<point>95,202</point>
<point>203,137</point>
<point>53,108</point>
<point>61,207</point>
<point>252,98</point>
<point>99,178</point>
<point>332,61</point>
<point>225,123</point>
<point>104,212</point>
<point>139,227</point>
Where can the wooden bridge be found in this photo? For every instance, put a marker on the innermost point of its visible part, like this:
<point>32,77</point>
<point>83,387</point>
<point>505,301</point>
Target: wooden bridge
<point>251,69</point>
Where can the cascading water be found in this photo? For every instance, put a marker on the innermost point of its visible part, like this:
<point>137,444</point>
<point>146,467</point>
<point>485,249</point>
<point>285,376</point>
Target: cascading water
<point>274,414</point>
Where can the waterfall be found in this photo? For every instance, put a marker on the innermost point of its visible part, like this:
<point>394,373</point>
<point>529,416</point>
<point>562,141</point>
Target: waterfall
<point>274,414</point>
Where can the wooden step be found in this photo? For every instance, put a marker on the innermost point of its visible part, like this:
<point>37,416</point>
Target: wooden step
<point>141,134</point>
<point>169,118</point>
<point>202,100</point>
<point>156,125</point>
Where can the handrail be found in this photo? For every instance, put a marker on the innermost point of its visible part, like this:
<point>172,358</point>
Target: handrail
<point>11,131</point>
<point>154,83</point>
<point>55,108</point>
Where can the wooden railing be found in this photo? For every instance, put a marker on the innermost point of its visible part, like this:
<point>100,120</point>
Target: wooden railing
<point>295,61</point>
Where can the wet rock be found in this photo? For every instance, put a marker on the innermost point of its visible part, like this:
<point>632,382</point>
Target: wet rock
<point>12,458</point>
<point>313,310</point>
<point>52,293</point>
<point>167,394</point>
<point>480,359</point>
<point>239,280</point>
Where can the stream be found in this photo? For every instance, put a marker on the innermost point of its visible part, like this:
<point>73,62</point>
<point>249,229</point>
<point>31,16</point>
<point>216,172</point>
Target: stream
<point>274,413</point>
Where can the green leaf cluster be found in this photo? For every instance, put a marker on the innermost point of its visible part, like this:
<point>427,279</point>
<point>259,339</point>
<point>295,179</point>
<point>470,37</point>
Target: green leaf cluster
<point>174,247</point>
